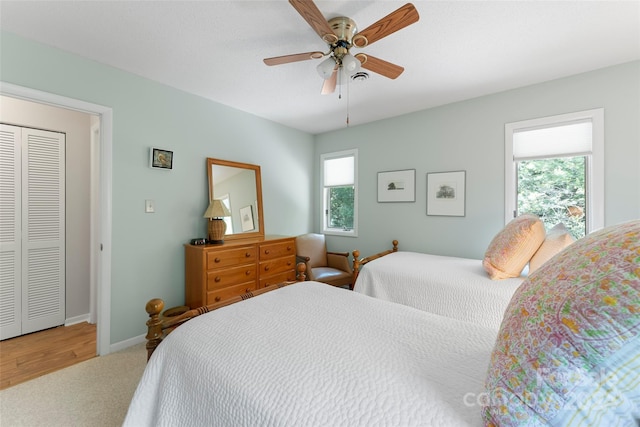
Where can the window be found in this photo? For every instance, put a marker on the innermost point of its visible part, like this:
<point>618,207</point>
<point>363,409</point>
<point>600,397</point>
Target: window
<point>227,219</point>
<point>554,168</point>
<point>339,192</point>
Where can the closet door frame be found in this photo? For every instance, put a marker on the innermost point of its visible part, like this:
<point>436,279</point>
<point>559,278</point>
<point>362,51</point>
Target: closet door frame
<point>104,237</point>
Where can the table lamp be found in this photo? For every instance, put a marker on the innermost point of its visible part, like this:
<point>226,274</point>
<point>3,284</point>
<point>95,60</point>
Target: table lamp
<point>217,227</point>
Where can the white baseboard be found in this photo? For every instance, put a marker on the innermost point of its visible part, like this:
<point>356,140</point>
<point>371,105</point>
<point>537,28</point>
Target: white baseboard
<point>113,347</point>
<point>126,343</point>
<point>77,319</point>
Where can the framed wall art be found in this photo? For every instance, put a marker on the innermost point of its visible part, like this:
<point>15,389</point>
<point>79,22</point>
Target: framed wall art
<point>397,186</point>
<point>446,193</point>
<point>161,159</point>
<point>246,218</point>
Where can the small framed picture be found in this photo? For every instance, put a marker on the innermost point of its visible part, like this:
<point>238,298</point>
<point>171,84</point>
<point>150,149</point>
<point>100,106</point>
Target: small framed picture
<point>246,218</point>
<point>445,193</point>
<point>161,159</point>
<point>397,186</point>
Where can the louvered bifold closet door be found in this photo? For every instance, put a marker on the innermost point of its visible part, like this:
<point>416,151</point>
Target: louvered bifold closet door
<point>43,230</point>
<point>10,252</point>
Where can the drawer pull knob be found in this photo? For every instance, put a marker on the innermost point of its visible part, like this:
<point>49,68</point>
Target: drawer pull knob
<point>247,290</point>
<point>217,260</point>
<point>248,272</point>
<point>248,254</point>
<point>217,299</point>
<point>217,279</point>
<point>266,251</point>
<point>266,268</point>
<point>288,262</point>
<point>288,248</point>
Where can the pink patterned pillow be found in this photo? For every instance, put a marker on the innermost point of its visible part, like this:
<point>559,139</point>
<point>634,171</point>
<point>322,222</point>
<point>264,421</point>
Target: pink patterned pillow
<point>568,349</point>
<point>512,248</point>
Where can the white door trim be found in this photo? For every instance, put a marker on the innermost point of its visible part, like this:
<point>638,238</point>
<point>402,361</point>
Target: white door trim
<point>103,238</point>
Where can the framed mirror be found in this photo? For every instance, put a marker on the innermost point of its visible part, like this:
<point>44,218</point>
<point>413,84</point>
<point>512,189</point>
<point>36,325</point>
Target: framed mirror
<point>239,187</point>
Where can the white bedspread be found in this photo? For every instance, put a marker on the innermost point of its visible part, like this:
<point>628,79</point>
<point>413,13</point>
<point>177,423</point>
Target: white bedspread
<point>314,355</point>
<point>449,286</point>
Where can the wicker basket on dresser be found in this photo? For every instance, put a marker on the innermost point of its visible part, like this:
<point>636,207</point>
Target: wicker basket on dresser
<point>214,273</point>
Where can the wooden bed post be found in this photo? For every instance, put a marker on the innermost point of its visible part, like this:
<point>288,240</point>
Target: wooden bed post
<point>154,325</point>
<point>358,263</point>
<point>301,269</point>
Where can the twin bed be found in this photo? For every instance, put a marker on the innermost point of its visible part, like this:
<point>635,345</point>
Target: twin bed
<point>310,354</point>
<point>447,286</point>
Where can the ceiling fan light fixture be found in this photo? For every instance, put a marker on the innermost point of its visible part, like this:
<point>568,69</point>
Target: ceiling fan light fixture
<point>325,68</point>
<point>350,64</point>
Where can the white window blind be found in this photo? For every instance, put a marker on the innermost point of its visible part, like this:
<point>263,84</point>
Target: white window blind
<point>573,139</point>
<point>339,171</point>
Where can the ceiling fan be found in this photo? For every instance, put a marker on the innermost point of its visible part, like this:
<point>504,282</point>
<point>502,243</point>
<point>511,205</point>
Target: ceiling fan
<point>341,34</point>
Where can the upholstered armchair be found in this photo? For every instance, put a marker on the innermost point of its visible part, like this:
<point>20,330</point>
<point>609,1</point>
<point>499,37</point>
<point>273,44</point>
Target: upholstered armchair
<point>328,267</point>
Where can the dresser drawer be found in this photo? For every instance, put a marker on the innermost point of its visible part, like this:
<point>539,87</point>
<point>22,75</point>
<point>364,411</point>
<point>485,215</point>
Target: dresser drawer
<point>230,257</point>
<point>230,292</point>
<point>279,265</point>
<point>231,276</point>
<point>229,269</point>
<point>276,250</point>
<point>287,276</point>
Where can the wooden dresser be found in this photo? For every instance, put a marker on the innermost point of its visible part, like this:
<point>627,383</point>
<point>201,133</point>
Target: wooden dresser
<point>214,273</point>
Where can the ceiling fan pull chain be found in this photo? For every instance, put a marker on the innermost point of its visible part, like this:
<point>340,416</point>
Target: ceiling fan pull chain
<point>348,102</point>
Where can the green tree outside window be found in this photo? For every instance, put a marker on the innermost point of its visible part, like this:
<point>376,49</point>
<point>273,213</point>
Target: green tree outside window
<point>341,207</point>
<point>554,189</point>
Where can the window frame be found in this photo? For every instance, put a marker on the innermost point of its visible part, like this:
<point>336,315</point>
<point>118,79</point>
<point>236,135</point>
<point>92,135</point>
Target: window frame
<point>594,164</point>
<point>324,194</point>
<point>226,200</point>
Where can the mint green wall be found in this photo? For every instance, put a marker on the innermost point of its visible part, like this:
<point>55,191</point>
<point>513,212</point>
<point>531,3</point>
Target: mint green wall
<point>469,136</point>
<point>147,252</point>
<point>147,256</point>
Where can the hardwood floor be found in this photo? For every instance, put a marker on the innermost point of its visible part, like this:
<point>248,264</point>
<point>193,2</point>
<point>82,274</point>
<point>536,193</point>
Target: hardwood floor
<point>30,356</point>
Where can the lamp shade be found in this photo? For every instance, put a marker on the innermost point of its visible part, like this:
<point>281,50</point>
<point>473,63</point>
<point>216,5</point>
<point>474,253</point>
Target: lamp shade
<point>350,64</point>
<point>216,209</point>
<point>325,68</point>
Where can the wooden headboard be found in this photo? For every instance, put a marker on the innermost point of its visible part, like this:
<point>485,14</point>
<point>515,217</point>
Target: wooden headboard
<point>358,263</point>
<point>158,326</point>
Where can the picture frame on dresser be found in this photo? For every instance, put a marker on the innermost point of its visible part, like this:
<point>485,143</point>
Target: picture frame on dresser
<point>246,218</point>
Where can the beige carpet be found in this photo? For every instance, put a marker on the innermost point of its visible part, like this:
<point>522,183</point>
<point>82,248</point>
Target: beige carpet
<point>96,392</point>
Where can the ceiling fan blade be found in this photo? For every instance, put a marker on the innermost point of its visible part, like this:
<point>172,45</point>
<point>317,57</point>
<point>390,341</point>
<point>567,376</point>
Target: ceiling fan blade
<point>380,66</point>
<point>310,12</point>
<point>402,17</point>
<point>277,60</point>
<point>329,85</point>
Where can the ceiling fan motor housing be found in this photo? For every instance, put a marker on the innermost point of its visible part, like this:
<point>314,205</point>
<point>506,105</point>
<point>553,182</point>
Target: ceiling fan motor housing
<point>344,28</point>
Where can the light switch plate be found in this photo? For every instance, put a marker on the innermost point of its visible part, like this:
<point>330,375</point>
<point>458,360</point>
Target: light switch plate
<point>149,206</point>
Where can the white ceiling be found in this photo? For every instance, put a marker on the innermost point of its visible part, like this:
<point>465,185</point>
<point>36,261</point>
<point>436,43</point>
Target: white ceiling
<point>457,50</point>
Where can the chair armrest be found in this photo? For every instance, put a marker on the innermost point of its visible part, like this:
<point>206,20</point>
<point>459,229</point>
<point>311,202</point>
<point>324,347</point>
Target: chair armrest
<point>339,261</point>
<point>302,258</point>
